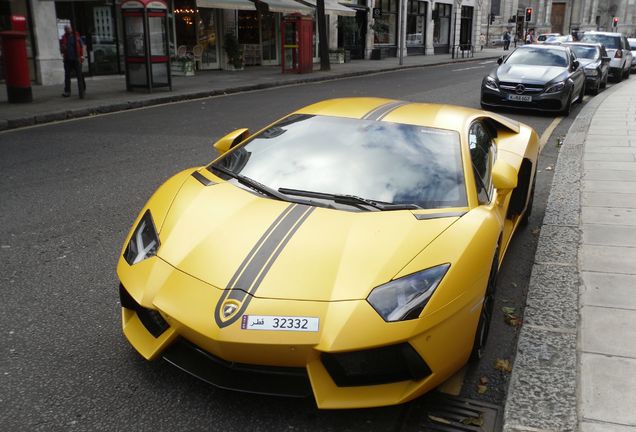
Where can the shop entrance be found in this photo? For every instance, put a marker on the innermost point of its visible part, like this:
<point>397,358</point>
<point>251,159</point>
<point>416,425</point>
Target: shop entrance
<point>352,33</point>
<point>97,25</point>
<point>259,37</point>
<point>207,38</point>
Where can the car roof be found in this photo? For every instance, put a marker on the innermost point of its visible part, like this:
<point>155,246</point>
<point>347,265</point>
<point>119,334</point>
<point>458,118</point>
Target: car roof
<point>603,33</point>
<point>544,47</point>
<point>587,44</point>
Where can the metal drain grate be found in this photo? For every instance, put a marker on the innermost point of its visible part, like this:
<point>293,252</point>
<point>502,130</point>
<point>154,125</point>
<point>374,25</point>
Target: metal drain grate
<point>438,412</point>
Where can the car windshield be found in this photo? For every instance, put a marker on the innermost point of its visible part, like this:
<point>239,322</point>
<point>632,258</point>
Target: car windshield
<point>585,52</point>
<point>538,57</point>
<point>611,42</point>
<point>376,160</point>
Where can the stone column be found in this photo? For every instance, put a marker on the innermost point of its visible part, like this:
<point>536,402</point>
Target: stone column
<point>49,66</point>
<point>548,14</point>
<point>370,34</point>
<point>332,31</point>
<point>429,50</point>
<point>593,13</point>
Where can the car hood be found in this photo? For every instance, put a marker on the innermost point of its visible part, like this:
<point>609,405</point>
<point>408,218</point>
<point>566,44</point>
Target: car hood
<point>585,62</point>
<point>234,239</point>
<point>529,74</point>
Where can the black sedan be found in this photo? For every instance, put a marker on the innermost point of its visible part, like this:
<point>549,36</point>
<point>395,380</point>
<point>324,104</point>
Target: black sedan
<point>538,77</point>
<point>595,62</point>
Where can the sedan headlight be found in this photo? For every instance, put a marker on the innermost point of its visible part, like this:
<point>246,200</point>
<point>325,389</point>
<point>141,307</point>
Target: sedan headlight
<point>555,88</point>
<point>144,241</point>
<point>491,83</point>
<point>590,72</point>
<point>405,298</point>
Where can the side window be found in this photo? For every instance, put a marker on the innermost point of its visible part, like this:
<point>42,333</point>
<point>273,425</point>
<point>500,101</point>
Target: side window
<point>482,155</point>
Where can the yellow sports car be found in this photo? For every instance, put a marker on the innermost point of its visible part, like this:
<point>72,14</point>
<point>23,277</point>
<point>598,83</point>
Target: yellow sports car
<point>348,250</point>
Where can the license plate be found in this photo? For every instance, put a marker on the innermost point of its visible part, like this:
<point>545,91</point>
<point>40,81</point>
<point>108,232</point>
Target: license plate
<point>280,323</point>
<point>520,98</point>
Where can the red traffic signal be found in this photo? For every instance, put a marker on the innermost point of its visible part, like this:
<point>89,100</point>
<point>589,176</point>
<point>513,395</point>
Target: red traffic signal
<point>615,22</point>
<point>528,14</point>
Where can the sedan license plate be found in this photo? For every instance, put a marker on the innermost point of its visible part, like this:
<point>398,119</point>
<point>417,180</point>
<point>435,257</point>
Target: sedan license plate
<point>519,98</point>
<point>280,323</point>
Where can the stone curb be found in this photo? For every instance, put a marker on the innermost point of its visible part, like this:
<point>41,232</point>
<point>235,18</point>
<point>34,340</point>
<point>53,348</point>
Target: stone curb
<point>542,394</point>
<point>15,123</point>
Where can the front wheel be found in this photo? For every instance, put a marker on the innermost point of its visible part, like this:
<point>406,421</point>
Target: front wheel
<point>568,106</point>
<point>485,317</point>
<point>581,93</point>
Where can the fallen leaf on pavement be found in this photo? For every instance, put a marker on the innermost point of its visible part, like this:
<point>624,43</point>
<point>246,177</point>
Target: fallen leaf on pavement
<point>510,316</point>
<point>536,231</point>
<point>481,389</point>
<point>549,168</point>
<point>503,365</point>
<point>473,421</point>
<point>484,380</point>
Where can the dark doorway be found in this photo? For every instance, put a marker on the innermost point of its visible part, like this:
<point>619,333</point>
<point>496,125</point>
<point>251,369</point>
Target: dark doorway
<point>352,33</point>
<point>557,18</point>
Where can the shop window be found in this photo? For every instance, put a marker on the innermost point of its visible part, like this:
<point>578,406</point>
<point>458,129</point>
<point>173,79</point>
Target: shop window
<point>385,27</point>
<point>466,27</point>
<point>248,27</point>
<point>415,23</point>
<point>441,24</point>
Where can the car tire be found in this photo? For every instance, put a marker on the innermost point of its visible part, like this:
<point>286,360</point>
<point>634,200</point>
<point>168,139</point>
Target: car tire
<point>596,89</point>
<point>581,94</point>
<point>618,77</point>
<point>568,106</point>
<point>604,83</point>
<point>485,316</point>
<point>626,74</point>
<point>525,219</point>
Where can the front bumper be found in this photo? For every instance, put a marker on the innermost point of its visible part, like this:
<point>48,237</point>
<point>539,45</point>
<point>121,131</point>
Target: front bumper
<point>342,366</point>
<point>540,101</point>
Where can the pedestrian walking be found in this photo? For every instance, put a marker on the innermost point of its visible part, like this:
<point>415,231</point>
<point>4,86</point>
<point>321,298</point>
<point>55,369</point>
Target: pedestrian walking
<point>506,40</point>
<point>482,41</point>
<point>72,49</point>
<point>530,39</point>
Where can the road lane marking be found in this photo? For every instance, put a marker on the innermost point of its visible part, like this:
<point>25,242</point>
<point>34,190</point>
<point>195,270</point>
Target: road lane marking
<point>545,136</point>
<point>468,68</point>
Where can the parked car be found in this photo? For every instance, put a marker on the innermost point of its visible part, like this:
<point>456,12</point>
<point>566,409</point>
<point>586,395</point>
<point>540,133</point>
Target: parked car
<point>556,40</point>
<point>545,36</point>
<point>538,77</point>
<point>595,62</point>
<point>348,251</point>
<point>632,47</point>
<point>618,50</point>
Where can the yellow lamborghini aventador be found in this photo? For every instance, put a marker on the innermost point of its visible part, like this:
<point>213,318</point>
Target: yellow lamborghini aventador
<point>348,250</point>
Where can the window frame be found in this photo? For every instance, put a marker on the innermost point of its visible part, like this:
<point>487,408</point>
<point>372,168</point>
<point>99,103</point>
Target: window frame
<point>480,187</point>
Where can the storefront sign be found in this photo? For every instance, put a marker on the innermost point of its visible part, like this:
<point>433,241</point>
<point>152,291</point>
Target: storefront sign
<point>377,12</point>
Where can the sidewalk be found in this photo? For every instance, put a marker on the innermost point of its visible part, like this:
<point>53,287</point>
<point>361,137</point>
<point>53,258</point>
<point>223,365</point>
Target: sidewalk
<point>575,368</point>
<point>108,94</point>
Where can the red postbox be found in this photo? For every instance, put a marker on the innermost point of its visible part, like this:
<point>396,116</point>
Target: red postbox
<point>16,66</point>
<point>146,44</point>
<point>297,34</point>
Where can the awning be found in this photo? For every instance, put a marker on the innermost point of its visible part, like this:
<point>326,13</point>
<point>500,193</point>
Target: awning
<point>283,6</point>
<point>333,6</point>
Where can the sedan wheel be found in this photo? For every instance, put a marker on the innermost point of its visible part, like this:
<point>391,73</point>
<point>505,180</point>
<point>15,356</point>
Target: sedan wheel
<point>483,327</point>
<point>568,106</point>
<point>581,93</point>
<point>618,77</point>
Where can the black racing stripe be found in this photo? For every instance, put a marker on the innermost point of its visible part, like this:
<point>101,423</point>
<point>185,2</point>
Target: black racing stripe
<point>382,110</point>
<point>389,111</point>
<point>202,179</point>
<point>248,277</point>
<point>246,261</point>
<point>438,215</point>
<point>268,266</point>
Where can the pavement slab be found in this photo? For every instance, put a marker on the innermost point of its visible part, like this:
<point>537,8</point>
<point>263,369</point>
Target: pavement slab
<point>608,331</point>
<point>607,259</point>
<point>608,290</point>
<point>609,235</point>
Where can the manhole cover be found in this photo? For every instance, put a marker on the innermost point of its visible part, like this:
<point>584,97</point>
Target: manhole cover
<point>440,412</point>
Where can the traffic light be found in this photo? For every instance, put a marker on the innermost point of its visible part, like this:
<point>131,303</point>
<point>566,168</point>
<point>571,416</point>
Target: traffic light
<point>528,14</point>
<point>615,22</point>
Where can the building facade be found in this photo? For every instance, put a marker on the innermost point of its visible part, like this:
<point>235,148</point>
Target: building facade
<point>365,28</point>
<point>558,16</point>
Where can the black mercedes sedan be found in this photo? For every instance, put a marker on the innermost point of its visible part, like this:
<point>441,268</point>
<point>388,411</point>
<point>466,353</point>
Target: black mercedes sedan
<point>595,62</point>
<point>538,77</point>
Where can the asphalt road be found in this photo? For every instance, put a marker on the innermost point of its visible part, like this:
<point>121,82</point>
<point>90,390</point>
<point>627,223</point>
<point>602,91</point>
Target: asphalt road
<point>69,192</point>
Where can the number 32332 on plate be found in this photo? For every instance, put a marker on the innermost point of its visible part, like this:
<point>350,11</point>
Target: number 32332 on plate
<point>280,323</point>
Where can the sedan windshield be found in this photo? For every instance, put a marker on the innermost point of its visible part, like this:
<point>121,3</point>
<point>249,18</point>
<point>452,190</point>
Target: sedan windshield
<point>585,52</point>
<point>538,57</point>
<point>375,160</point>
<point>611,42</point>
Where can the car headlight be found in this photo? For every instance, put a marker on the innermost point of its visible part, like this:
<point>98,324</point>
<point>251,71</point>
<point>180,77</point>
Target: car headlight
<point>590,71</point>
<point>491,83</point>
<point>144,241</point>
<point>555,88</point>
<point>404,298</point>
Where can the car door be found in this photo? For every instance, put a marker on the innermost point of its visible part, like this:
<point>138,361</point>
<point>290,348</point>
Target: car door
<point>576,73</point>
<point>627,53</point>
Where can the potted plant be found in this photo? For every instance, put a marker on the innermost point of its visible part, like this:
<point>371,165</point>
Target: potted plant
<point>233,52</point>
<point>182,65</point>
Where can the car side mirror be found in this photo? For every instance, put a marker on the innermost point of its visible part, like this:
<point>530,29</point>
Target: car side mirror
<point>500,60</point>
<point>575,64</point>
<point>231,139</point>
<point>606,59</point>
<point>504,178</point>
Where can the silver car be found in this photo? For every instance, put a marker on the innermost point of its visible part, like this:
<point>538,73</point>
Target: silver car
<point>617,49</point>
<point>632,47</point>
<point>595,62</point>
<point>537,77</point>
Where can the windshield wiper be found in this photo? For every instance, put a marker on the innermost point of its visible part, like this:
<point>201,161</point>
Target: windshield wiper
<point>349,199</point>
<point>251,183</point>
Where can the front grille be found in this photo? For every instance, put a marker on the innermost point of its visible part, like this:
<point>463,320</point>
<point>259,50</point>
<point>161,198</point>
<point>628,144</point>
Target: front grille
<point>268,380</point>
<point>375,366</point>
<point>529,88</point>
<point>151,319</point>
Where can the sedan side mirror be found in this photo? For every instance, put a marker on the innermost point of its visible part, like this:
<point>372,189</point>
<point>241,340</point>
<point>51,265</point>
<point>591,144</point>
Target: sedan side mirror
<point>575,64</point>
<point>504,179</point>
<point>231,139</point>
<point>500,60</point>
